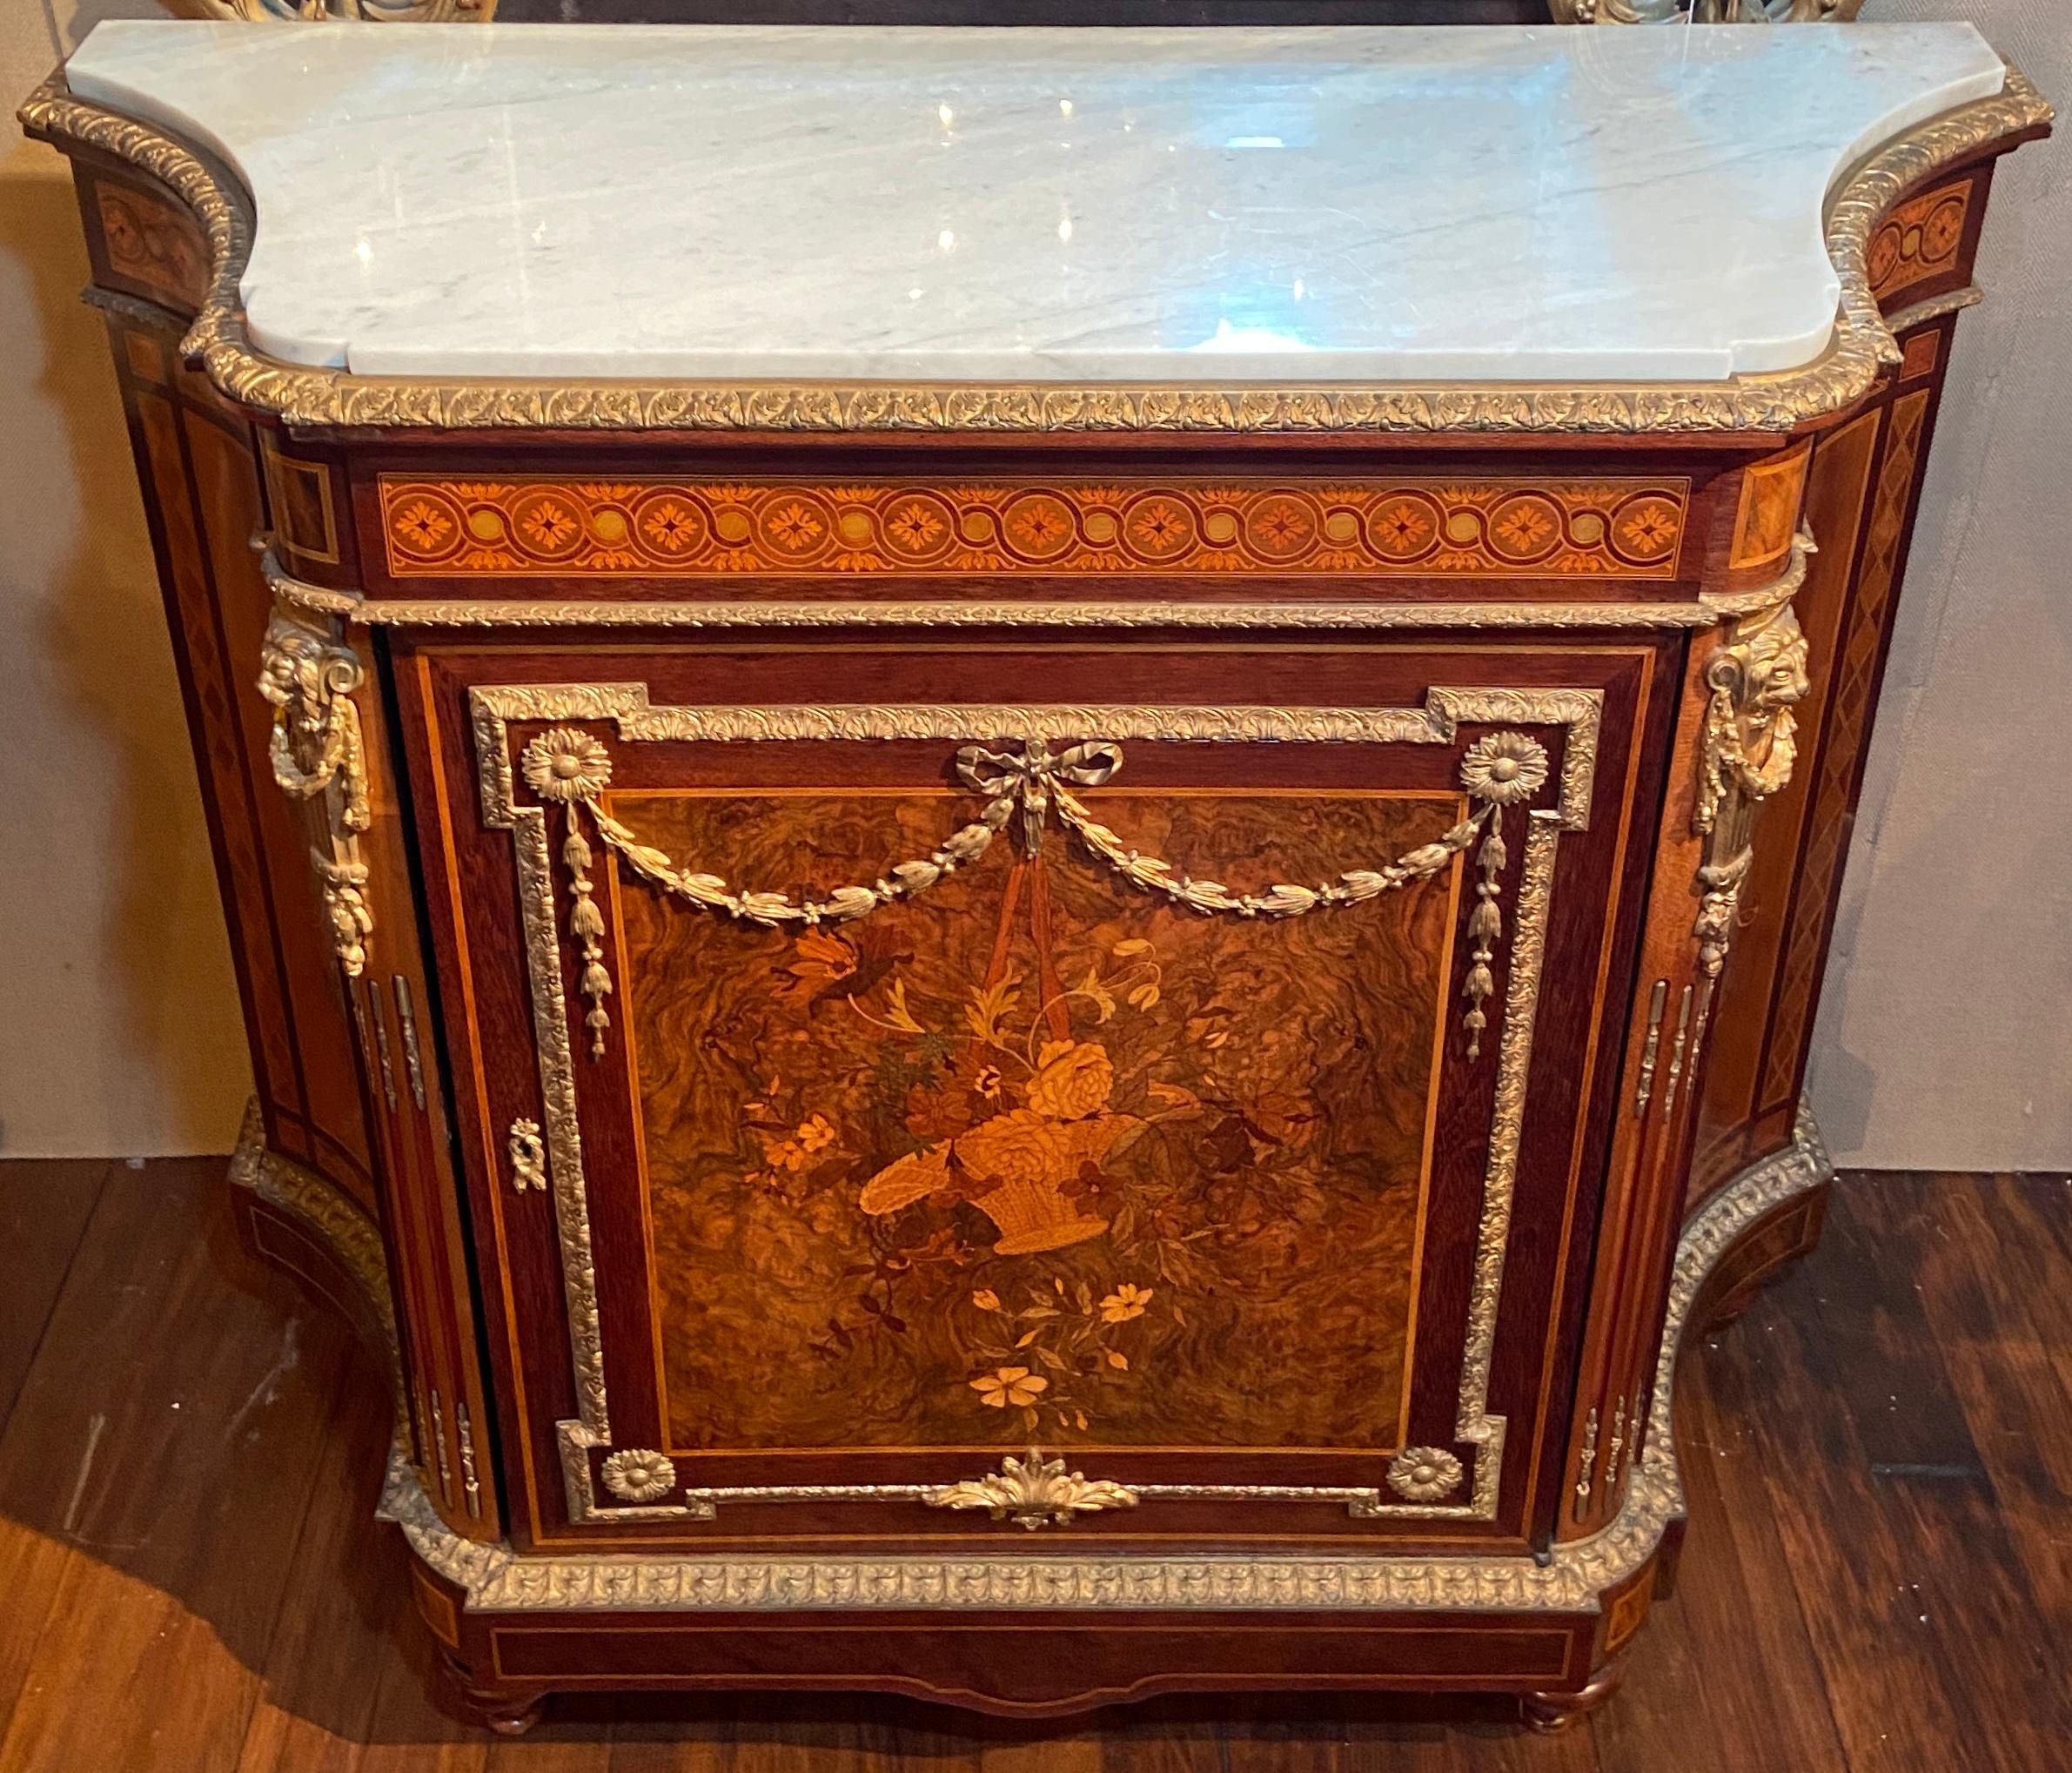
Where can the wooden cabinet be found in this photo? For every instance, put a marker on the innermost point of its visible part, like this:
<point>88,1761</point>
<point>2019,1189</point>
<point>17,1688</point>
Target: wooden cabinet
<point>1030,1062</point>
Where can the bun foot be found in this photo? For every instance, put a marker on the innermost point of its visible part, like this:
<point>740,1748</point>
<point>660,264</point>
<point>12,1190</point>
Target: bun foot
<point>1551,1712</point>
<point>509,1711</point>
<point>514,1722</point>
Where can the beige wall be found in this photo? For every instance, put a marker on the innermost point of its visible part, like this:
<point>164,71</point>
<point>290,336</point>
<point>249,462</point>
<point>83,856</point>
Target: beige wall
<point>118,1017</point>
<point>1947,1038</point>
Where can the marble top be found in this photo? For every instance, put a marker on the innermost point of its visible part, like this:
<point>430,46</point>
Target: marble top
<point>1069,206</point>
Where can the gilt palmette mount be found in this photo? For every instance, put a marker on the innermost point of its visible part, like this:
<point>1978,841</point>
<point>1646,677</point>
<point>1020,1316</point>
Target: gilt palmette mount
<point>1034,1491</point>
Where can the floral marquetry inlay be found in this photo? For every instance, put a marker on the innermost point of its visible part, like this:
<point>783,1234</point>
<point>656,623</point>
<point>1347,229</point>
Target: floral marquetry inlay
<point>1018,1175</point>
<point>1603,528</point>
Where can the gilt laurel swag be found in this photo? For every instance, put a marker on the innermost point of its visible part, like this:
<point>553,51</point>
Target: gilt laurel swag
<point>573,768</point>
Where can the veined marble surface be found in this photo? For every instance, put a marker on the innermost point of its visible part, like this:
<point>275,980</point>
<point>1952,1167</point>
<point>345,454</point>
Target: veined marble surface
<point>1174,206</point>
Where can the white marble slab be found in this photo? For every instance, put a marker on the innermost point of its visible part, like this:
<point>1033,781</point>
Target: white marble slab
<point>1359,204</point>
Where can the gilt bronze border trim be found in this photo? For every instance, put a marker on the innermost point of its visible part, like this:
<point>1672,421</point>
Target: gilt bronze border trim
<point>1573,1579</point>
<point>951,612</point>
<point>303,397</point>
<point>335,1220</point>
<point>493,708</point>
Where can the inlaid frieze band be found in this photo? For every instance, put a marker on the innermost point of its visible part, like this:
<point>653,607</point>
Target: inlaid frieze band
<point>1599,528</point>
<point>1918,240</point>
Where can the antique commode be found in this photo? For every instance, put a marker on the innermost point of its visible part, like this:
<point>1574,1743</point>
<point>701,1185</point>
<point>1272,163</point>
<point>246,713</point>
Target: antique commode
<point>987,799</point>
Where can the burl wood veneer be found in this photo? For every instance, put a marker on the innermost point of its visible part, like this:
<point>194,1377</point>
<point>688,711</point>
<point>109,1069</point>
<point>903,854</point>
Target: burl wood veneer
<point>1039,1064</point>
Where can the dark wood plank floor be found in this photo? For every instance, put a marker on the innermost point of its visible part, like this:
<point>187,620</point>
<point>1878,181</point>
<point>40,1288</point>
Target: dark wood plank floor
<point>1878,1576</point>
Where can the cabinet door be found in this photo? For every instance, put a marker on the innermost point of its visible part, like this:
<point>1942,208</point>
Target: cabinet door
<point>1143,1092</point>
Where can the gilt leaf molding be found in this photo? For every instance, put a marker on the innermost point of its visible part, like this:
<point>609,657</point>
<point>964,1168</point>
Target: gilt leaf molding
<point>1103,613</point>
<point>340,11</point>
<point>1437,720</point>
<point>328,398</point>
<point>1702,11</point>
<point>338,1223</point>
<point>1708,610</point>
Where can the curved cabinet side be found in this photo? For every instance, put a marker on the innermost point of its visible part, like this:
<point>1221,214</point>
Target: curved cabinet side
<point>198,468</point>
<point>346,1142</point>
<point>1863,489</point>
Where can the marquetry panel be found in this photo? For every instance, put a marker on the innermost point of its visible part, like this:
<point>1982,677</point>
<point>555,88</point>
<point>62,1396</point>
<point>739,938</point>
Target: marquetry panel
<point>1054,1142</point>
<point>1920,239</point>
<point>1920,353</point>
<point>1622,1616</point>
<point>146,356</point>
<point>305,522</point>
<point>1616,528</point>
<point>153,243</point>
<point>1164,1158</point>
<point>220,729</point>
<point>1769,510</point>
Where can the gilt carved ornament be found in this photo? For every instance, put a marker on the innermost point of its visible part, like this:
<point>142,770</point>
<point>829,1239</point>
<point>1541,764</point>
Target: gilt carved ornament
<point>1702,11</point>
<point>341,12</point>
<point>327,399</point>
<point>1754,680</point>
<point>318,755</point>
<point>1562,12</point>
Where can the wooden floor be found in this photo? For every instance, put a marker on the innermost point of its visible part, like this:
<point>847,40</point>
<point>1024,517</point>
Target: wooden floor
<point>1878,1573</point>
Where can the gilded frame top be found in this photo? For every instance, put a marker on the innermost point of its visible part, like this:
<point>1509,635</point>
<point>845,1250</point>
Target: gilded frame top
<point>314,399</point>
